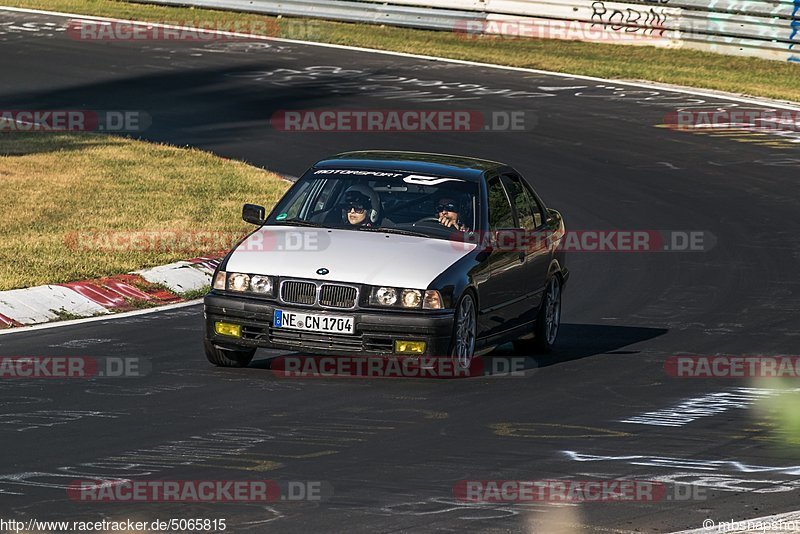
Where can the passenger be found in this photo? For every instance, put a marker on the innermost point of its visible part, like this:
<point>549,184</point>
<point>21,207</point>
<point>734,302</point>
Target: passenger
<point>361,206</point>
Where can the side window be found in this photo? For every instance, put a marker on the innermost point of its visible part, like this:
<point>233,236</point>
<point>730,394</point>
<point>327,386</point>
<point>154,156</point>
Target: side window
<point>300,198</point>
<point>325,196</point>
<point>538,216</point>
<point>500,214</point>
<point>521,201</point>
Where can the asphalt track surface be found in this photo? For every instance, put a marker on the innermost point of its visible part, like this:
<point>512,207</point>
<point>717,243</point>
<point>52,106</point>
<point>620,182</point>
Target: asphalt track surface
<point>391,450</point>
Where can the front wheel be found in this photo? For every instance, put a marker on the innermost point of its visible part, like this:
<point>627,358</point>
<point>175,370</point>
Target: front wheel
<point>464,333</point>
<point>228,358</point>
<point>548,321</point>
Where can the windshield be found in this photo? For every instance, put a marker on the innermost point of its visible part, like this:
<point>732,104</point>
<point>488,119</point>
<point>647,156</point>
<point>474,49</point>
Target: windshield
<point>430,206</point>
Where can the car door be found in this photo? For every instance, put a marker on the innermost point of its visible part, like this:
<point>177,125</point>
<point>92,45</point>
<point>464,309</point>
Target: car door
<point>501,295</point>
<point>532,242</point>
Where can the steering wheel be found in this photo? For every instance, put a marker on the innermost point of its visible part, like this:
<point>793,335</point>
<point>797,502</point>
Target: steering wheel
<point>428,220</point>
<point>433,223</point>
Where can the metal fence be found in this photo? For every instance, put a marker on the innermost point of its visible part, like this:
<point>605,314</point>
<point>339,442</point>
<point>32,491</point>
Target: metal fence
<point>767,29</point>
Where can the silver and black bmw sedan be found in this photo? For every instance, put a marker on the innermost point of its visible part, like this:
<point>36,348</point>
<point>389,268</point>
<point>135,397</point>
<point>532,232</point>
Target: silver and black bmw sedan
<point>392,254</point>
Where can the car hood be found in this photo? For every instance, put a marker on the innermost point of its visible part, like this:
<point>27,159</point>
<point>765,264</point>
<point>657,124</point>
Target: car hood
<point>373,258</point>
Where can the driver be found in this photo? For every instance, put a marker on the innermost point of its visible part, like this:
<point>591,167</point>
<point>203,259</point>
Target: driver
<point>447,213</point>
<point>360,207</point>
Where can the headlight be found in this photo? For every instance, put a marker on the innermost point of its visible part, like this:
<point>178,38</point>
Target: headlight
<point>261,284</point>
<point>405,298</point>
<point>219,280</point>
<point>433,300</point>
<point>412,298</point>
<point>238,282</point>
<point>385,296</point>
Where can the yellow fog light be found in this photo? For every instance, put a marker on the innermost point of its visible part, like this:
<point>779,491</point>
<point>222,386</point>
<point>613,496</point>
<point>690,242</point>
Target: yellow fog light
<point>413,347</point>
<point>228,329</point>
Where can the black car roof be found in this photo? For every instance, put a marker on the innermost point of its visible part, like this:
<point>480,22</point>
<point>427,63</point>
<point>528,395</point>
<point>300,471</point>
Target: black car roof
<point>417,162</point>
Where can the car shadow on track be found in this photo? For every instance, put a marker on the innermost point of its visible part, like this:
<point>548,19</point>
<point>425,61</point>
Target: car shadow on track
<point>575,341</point>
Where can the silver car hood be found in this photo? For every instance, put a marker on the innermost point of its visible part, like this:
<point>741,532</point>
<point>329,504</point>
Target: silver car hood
<point>374,258</point>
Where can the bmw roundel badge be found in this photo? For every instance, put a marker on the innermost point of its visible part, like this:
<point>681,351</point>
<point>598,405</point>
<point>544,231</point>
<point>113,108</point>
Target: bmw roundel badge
<point>322,270</point>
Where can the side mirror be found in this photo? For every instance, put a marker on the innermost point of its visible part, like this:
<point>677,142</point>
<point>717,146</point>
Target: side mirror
<point>254,214</point>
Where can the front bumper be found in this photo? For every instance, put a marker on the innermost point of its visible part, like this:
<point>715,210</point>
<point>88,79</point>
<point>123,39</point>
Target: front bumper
<point>375,330</point>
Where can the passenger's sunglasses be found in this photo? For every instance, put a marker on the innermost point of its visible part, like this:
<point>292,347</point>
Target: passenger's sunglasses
<point>356,208</point>
<point>446,207</point>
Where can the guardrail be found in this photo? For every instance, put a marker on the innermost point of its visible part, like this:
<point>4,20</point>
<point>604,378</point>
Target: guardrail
<point>768,29</point>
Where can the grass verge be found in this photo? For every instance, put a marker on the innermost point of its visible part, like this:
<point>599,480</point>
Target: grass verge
<point>80,206</point>
<point>756,77</point>
<point>195,293</point>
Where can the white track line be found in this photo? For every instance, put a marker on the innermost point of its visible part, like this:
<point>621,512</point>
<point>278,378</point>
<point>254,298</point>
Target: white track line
<point>734,98</point>
<point>72,322</point>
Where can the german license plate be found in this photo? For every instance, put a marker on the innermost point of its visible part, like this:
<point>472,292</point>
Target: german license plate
<point>314,322</point>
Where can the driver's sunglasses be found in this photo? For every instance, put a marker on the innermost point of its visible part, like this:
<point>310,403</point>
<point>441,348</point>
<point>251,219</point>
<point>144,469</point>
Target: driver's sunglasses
<point>356,208</point>
<point>446,207</point>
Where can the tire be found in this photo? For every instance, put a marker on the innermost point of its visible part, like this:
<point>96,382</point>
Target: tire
<point>465,324</point>
<point>548,321</point>
<point>228,358</point>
